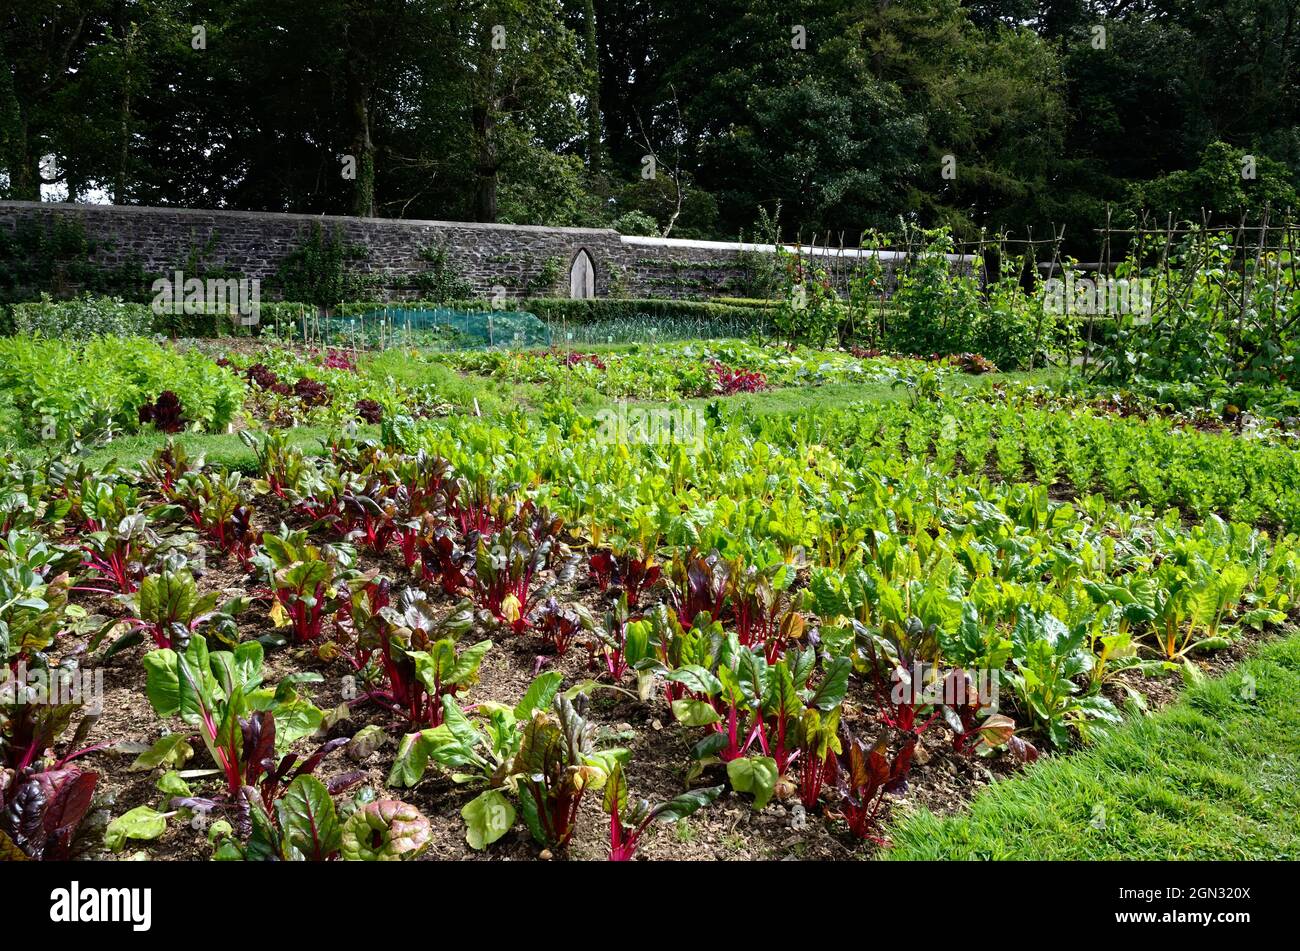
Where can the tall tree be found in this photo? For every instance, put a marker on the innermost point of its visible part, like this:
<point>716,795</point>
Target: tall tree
<point>521,71</point>
<point>591,49</point>
<point>41,45</point>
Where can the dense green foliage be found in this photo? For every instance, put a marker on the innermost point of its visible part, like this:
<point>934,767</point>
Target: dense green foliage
<point>675,371</point>
<point>1161,462</point>
<point>82,318</point>
<point>1220,328</point>
<point>55,392</point>
<point>842,113</point>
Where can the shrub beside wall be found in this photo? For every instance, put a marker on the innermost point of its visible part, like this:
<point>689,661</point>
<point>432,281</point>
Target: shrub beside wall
<point>82,318</point>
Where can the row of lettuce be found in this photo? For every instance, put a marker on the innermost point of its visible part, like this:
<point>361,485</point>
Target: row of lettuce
<point>808,598</point>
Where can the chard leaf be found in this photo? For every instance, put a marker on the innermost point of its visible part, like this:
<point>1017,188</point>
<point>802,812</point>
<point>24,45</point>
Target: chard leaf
<point>295,720</point>
<point>488,817</point>
<point>464,670</point>
<point>679,807</point>
<point>410,762</point>
<point>172,784</point>
<point>697,679</point>
<point>690,712</point>
<point>756,775</point>
<point>172,750</point>
<point>264,842</point>
<point>142,822</point>
<point>162,685</point>
<point>835,682</point>
<point>539,695</point>
<point>309,820</point>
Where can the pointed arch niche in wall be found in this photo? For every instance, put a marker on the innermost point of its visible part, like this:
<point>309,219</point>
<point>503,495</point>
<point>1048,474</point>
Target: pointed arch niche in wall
<point>582,276</point>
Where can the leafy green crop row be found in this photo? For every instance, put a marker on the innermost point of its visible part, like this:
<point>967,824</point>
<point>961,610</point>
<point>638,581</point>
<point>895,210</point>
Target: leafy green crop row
<point>1159,462</point>
<point>58,392</point>
<point>674,371</point>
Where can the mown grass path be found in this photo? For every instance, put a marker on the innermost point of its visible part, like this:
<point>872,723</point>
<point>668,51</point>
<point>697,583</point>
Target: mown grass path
<point>1214,776</point>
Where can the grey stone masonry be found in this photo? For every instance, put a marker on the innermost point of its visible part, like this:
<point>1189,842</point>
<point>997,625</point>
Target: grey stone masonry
<point>508,260</point>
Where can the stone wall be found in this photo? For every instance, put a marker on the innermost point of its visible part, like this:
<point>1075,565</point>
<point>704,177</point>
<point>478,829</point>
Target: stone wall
<point>669,267</point>
<point>509,260</point>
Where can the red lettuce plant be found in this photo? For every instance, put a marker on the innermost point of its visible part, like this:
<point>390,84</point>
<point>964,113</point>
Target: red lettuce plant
<point>336,358</point>
<point>260,375</point>
<point>729,380</point>
<point>311,392</point>
<point>575,359</point>
<point>166,413</point>
<point>973,363</point>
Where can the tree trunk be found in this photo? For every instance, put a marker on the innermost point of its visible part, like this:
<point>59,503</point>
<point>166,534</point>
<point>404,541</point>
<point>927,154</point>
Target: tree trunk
<point>593,94</point>
<point>363,147</point>
<point>25,170</point>
<point>124,146</point>
<point>485,192</point>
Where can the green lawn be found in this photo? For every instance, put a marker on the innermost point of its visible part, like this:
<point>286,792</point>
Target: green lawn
<point>1214,776</point>
<point>797,399</point>
<point>226,450</point>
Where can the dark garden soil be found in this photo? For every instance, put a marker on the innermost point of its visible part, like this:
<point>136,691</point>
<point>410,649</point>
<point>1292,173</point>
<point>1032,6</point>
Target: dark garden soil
<point>941,780</point>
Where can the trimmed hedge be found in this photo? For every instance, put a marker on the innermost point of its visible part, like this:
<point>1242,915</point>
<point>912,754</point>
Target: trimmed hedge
<point>593,310</point>
<point>81,318</point>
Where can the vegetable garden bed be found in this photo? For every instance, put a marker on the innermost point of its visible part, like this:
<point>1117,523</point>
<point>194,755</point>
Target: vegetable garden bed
<point>494,636</point>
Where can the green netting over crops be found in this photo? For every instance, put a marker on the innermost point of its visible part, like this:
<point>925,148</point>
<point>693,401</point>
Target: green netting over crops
<point>652,328</point>
<point>559,323</point>
<point>442,328</point>
<point>463,329</point>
